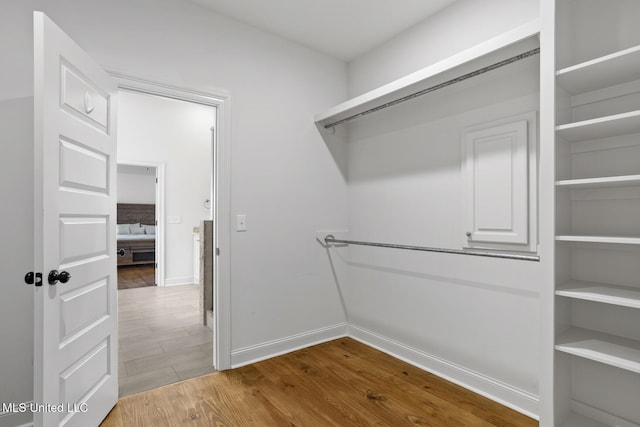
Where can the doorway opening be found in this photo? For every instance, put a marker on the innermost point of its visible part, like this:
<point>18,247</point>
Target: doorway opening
<point>139,254</point>
<point>165,334</point>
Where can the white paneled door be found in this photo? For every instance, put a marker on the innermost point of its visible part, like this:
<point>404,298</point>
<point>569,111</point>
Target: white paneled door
<point>75,360</point>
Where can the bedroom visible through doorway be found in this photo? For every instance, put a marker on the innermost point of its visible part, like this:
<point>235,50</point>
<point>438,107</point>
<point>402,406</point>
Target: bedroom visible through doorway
<point>137,226</point>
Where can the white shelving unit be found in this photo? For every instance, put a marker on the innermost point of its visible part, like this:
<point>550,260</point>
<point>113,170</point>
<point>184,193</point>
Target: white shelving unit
<point>600,292</point>
<point>616,240</point>
<point>597,118</point>
<point>612,350</point>
<point>616,68</point>
<point>604,182</point>
<point>601,127</point>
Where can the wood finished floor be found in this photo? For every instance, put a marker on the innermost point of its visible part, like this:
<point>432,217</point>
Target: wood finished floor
<point>161,338</point>
<point>136,276</point>
<point>339,383</point>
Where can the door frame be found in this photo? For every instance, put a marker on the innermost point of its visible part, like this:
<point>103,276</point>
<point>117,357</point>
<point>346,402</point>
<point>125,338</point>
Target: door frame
<point>221,211</point>
<point>160,246</point>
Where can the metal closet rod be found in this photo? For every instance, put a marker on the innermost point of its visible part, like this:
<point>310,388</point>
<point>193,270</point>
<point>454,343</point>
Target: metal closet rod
<point>438,86</point>
<point>331,239</point>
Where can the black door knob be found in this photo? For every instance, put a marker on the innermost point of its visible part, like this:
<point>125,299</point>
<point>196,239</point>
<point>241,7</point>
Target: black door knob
<point>33,278</point>
<point>121,252</point>
<point>55,276</point>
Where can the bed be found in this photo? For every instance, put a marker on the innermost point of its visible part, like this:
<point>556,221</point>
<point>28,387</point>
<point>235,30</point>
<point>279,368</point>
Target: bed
<point>136,234</point>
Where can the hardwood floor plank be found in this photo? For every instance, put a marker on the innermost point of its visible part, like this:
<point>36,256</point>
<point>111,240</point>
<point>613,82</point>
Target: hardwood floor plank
<point>394,395</point>
<point>136,277</point>
<point>339,383</point>
<point>481,406</point>
<point>302,381</point>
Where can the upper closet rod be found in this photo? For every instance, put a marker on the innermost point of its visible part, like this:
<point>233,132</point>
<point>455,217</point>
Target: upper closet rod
<point>438,86</point>
<point>331,239</point>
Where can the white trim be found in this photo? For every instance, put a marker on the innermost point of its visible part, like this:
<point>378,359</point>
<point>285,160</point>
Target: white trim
<point>507,395</point>
<point>17,419</point>
<point>176,281</point>
<point>160,205</point>
<point>221,100</point>
<point>255,353</point>
<point>216,98</point>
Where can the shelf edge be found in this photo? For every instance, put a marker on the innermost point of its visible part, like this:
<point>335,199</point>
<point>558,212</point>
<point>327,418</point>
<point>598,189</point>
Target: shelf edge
<point>603,181</point>
<point>568,290</point>
<point>598,239</point>
<point>599,60</point>
<point>508,38</point>
<point>598,120</point>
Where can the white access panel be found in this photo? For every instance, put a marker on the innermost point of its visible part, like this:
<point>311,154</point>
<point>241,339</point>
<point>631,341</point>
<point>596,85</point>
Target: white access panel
<point>496,178</point>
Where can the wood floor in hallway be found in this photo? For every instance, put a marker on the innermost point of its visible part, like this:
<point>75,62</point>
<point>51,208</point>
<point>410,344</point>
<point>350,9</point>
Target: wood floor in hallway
<point>135,276</point>
<point>339,383</point>
<point>161,337</point>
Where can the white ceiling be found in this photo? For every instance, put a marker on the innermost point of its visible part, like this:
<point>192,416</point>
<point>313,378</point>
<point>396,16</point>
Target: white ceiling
<point>342,28</point>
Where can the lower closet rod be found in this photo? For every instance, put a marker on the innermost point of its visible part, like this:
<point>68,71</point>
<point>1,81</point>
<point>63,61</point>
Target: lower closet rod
<point>331,239</point>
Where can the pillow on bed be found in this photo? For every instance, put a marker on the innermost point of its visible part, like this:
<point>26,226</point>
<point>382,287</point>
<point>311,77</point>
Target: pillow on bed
<point>150,229</point>
<point>136,228</point>
<point>123,229</point>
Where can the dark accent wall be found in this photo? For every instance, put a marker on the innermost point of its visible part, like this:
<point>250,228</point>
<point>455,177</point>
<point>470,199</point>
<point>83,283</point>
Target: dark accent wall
<point>131,213</point>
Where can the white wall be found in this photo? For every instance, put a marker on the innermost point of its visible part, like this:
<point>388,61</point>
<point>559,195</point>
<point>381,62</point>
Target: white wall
<point>176,133</point>
<point>136,184</point>
<point>290,182</point>
<point>16,258</point>
<point>284,177</point>
<point>475,320</point>
<point>460,26</point>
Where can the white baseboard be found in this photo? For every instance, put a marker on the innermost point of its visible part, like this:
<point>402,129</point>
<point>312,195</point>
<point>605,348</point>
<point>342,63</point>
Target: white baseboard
<point>512,397</point>
<point>267,350</point>
<point>174,281</point>
<point>17,419</point>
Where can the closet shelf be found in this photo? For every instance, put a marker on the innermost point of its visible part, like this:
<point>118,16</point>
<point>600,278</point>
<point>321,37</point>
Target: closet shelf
<point>609,70</point>
<point>601,292</point>
<point>510,43</point>
<point>577,420</point>
<point>601,127</point>
<point>609,349</point>
<point>623,240</point>
<point>608,181</point>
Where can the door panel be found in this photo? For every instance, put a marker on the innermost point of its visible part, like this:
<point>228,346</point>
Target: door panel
<point>83,238</point>
<point>83,99</point>
<point>83,169</point>
<point>75,359</point>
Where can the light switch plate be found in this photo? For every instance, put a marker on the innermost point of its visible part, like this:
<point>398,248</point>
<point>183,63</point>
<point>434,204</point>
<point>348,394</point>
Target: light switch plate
<point>241,223</point>
<point>174,220</point>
